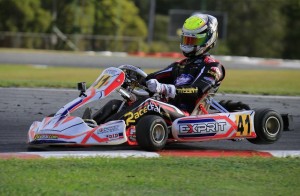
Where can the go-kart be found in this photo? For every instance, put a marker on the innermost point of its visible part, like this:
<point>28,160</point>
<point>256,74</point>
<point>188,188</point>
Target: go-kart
<point>148,120</point>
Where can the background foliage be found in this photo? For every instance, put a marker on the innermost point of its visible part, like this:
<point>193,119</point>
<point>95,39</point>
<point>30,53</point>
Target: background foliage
<point>261,28</point>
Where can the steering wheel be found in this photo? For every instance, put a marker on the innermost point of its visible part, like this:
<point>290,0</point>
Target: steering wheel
<point>134,80</point>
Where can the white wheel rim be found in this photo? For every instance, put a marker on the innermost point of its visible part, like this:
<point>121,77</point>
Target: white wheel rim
<point>272,126</point>
<point>158,133</point>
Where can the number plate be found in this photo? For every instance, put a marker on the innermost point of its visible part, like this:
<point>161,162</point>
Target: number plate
<point>244,125</point>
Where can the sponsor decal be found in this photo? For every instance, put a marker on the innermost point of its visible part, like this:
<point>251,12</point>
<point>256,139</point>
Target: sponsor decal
<point>217,70</point>
<point>108,129</point>
<point>214,71</point>
<point>111,132</point>
<point>210,127</point>
<point>184,79</point>
<point>111,72</point>
<point>236,125</point>
<point>113,136</point>
<point>153,107</point>
<point>201,127</point>
<point>45,136</point>
<point>102,81</point>
<point>131,117</point>
<point>187,90</point>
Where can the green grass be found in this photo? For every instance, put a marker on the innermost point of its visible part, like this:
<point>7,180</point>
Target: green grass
<point>272,82</point>
<point>46,76</point>
<point>151,176</point>
<point>275,82</point>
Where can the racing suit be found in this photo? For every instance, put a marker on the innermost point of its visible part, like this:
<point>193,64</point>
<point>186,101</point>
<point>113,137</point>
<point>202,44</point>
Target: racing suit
<point>192,77</point>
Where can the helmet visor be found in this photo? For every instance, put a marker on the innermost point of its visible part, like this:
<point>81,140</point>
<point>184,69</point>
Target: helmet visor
<point>198,39</point>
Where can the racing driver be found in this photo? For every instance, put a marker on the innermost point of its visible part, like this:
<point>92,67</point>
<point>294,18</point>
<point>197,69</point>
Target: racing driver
<point>188,80</point>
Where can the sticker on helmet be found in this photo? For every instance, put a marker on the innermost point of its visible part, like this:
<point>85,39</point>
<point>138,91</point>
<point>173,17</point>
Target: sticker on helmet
<point>193,22</point>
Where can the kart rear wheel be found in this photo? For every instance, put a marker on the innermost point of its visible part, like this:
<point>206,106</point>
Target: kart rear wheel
<point>268,125</point>
<point>151,133</point>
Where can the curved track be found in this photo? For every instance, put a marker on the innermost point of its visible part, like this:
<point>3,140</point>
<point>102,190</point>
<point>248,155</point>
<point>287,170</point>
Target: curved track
<point>19,107</point>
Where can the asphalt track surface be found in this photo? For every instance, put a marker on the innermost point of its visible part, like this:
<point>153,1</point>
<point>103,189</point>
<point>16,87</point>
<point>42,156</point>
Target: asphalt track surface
<point>19,107</point>
<point>107,59</point>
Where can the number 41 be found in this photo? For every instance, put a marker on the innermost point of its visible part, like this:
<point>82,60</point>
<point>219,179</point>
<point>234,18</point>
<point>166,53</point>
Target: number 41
<point>243,125</point>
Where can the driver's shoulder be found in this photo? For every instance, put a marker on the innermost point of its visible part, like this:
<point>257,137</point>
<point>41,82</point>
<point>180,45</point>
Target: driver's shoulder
<point>210,60</point>
<point>179,62</point>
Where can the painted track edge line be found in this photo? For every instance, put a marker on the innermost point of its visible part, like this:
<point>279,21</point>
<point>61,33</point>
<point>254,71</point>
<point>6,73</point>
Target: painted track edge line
<point>80,154</point>
<point>144,154</point>
<point>284,153</point>
<point>215,153</point>
<point>231,153</point>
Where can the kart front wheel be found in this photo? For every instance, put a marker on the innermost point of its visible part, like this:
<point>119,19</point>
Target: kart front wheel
<point>151,133</point>
<point>268,125</point>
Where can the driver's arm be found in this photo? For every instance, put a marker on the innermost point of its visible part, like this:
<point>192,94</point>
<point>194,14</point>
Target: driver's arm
<point>163,76</point>
<point>162,82</point>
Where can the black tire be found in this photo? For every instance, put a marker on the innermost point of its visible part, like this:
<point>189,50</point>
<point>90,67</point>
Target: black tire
<point>234,106</point>
<point>268,125</point>
<point>151,133</point>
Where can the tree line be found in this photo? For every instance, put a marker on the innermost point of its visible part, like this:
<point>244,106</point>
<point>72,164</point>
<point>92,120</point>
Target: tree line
<point>261,28</point>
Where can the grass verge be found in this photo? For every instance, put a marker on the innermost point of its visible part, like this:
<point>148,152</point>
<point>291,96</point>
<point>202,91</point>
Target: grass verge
<point>267,82</point>
<point>151,176</point>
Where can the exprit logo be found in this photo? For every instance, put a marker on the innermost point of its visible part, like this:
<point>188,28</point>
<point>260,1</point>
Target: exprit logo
<point>202,127</point>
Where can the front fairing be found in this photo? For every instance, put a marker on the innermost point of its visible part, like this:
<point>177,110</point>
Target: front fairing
<point>73,130</point>
<point>64,128</point>
<point>110,80</point>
